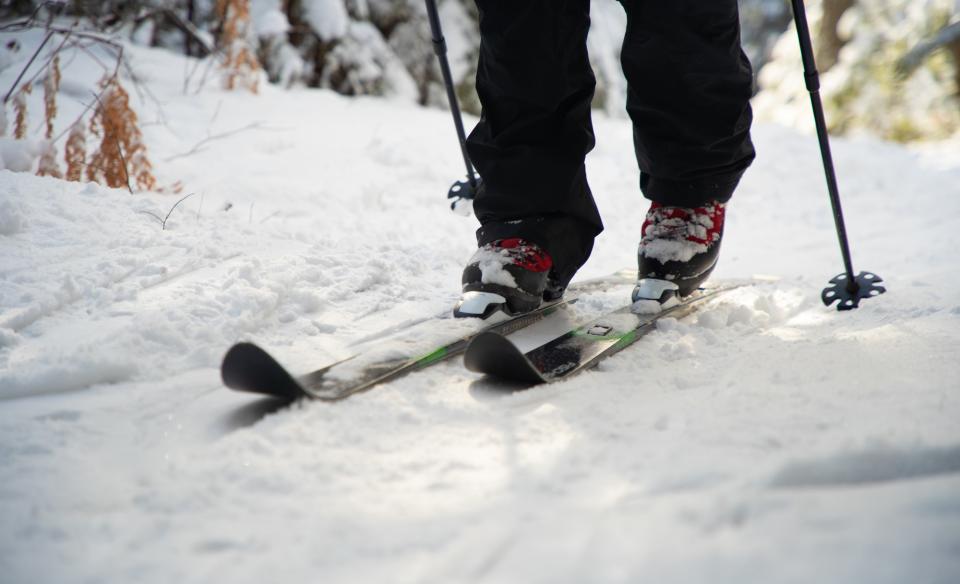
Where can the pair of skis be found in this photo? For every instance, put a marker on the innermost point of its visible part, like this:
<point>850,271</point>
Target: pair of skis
<point>486,349</point>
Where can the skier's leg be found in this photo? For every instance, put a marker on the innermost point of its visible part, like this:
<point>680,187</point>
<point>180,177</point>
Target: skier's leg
<point>689,85</point>
<point>689,90</point>
<point>535,85</point>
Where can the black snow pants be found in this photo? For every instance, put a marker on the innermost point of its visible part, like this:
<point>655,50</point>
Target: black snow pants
<point>689,85</point>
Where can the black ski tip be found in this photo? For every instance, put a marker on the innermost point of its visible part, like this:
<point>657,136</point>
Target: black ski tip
<point>493,354</point>
<point>247,367</point>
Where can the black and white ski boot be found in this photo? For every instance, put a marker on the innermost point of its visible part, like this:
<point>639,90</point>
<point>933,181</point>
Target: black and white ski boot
<point>679,249</point>
<point>512,275</point>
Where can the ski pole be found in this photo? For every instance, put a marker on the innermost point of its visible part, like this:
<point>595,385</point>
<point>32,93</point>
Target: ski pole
<point>848,288</point>
<point>462,191</point>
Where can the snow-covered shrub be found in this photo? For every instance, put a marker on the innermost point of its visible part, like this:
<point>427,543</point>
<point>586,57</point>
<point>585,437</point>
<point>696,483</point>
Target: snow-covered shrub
<point>865,91</point>
<point>361,63</point>
<point>327,18</point>
<point>344,47</point>
<point>280,59</point>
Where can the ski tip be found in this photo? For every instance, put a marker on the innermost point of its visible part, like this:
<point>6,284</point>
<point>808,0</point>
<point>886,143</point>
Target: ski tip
<point>493,354</point>
<point>247,367</point>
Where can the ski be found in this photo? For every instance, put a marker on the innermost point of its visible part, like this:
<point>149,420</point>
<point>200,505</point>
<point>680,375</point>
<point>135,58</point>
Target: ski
<point>579,349</point>
<point>249,368</point>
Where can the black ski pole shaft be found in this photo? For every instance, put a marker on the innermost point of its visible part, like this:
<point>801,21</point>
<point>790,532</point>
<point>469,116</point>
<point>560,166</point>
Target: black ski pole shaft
<point>440,48</point>
<point>847,289</point>
<point>812,79</point>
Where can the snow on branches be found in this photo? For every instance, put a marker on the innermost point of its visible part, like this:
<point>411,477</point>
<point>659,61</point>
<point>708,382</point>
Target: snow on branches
<point>866,86</point>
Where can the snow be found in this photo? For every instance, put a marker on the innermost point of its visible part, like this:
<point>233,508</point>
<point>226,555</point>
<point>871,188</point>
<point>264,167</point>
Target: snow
<point>767,439</point>
<point>268,18</point>
<point>665,250</point>
<point>492,263</point>
<point>18,155</point>
<point>327,18</point>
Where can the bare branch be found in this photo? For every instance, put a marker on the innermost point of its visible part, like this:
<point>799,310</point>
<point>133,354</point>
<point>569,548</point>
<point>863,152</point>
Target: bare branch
<point>54,53</point>
<point>164,224</point>
<point>23,71</point>
<point>82,114</point>
<point>143,90</point>
<point>27,22</point>
<point>154,215</point>
<point>185,26</point>
<point>917,55</point>
<point>199,146</point>
<point>163,221</point>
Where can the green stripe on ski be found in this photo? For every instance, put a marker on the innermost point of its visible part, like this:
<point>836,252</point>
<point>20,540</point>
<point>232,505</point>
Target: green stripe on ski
<point>627,338</point>
<point>432,357</point>
<point>264,375</point>
<point>581,347</point>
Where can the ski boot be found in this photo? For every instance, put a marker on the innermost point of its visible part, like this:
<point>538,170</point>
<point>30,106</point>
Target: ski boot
<point>679,249</point>
<point>512,275</point>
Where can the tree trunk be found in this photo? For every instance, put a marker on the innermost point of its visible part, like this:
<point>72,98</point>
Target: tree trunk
<point>191,15</point>
<point>829,43</point>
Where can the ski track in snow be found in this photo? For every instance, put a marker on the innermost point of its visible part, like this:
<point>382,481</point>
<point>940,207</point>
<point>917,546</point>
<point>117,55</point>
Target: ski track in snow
<point>765,439</point>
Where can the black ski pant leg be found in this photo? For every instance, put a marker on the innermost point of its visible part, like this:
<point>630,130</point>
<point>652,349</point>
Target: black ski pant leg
<point>689,86</point>
<point>535,86</point>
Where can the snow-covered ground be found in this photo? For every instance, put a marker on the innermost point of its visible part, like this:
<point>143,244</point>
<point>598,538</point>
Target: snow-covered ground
<point>768,439</point>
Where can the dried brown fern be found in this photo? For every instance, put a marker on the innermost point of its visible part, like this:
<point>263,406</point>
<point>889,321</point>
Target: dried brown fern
<point>20,107</point>
<point>48,161</point>
<point>51,85</point>
<point>121,155</point>
<point>241,68</point>
<point>75,152</point>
